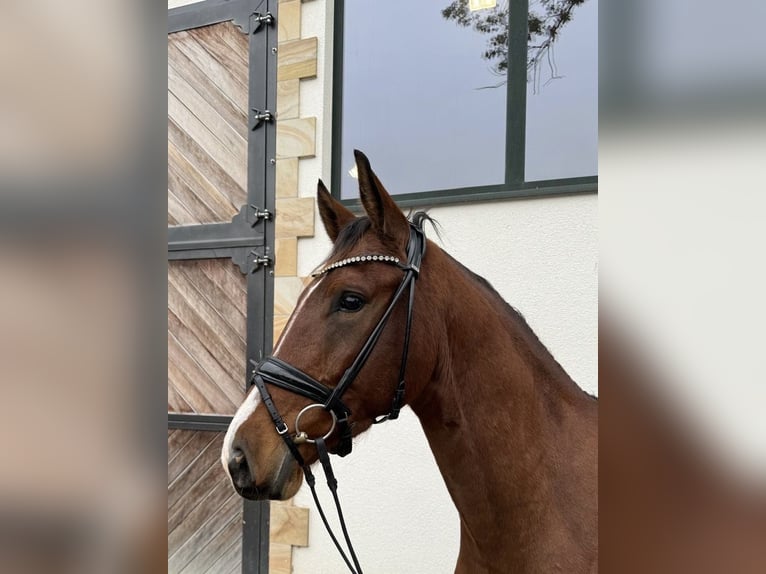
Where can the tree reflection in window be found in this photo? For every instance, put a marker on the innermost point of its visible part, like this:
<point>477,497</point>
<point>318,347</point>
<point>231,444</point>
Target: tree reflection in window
<point>545,20</point>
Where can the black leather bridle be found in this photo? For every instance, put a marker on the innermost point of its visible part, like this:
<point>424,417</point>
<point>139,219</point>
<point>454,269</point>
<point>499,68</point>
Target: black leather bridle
<point>281,374</point>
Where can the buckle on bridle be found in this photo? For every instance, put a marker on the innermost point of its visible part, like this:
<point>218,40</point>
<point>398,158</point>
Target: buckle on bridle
<point>281,428</point>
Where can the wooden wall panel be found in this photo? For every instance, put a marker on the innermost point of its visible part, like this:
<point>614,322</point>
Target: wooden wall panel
<point>204,512</point>
<point>207,306</point>
<point>207,124</point>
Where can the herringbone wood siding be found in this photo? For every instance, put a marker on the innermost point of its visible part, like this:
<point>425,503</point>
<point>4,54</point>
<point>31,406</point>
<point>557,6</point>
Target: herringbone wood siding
<point>204,512</point>
<point>207,124</point>
<point>207,182</point>
<point>206,336</point>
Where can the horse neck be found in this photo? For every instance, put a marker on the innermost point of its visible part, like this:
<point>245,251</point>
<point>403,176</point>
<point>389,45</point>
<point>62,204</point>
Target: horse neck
<point>499,413</point>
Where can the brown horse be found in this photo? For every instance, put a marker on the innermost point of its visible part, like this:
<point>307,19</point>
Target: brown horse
<point>514,437</point>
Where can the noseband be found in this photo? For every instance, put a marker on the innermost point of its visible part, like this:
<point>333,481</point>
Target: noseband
<point>281,374</point>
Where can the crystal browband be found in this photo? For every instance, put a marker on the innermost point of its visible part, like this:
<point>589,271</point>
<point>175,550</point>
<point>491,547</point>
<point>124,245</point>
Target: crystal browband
<point>358,259</point>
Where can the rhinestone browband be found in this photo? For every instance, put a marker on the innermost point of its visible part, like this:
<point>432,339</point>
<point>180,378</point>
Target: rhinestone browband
<point>357,259</point>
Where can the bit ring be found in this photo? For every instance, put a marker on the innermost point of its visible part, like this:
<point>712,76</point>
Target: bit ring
<point>303,435</point>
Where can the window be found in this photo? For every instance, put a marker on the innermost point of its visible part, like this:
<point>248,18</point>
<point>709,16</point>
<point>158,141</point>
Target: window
<point>452,104</point>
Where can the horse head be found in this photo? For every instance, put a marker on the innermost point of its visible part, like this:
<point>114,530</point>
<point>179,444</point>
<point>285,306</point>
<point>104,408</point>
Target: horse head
<point>359,303</point>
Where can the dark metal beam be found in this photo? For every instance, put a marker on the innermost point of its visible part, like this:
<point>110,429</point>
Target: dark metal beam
<point>261,191</point>
<point>211,12</point>
<point>240,232</point>
<point>516,96</point>
<point>256,520</point>
<point>191,421</point>
<point>261,182</point>
<point>242,240</point>
<point>213,236</point>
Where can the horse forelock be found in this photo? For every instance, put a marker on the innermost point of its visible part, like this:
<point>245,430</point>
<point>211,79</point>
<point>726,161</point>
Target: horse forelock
<point>350,236</point>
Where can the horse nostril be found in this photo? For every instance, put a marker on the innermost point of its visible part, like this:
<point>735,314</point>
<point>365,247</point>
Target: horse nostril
<point>240,470</point>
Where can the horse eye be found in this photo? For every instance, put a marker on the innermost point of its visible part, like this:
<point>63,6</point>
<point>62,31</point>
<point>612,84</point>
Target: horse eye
<point>351,302</point>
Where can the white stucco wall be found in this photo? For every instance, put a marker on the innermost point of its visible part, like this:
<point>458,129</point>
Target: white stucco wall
<point>541,255</point>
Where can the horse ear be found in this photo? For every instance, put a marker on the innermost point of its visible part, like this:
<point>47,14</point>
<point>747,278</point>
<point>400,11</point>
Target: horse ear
<point>385,216</point>
<point>334,214</point>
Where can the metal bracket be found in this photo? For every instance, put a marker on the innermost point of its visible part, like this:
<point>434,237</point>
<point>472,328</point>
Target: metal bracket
<point>261,19</point>
<point>261,116</point>
<point>258,260</point>
<point>260,214</point>
<point>239,240</point>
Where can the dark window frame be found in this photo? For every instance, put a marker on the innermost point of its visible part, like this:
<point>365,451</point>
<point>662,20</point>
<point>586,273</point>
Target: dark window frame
<point>515,186</point>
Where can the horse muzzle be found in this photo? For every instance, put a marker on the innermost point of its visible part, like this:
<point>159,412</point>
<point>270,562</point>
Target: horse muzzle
<point>285,483</point>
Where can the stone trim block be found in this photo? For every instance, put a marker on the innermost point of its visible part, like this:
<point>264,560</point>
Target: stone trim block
<point>297,59</point>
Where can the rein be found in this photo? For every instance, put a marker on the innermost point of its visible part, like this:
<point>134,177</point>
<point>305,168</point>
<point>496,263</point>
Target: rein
<point>281,374</point>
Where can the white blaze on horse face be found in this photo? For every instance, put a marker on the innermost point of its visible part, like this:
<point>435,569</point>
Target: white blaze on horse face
<point>244,412</point>
<point>247,408</point>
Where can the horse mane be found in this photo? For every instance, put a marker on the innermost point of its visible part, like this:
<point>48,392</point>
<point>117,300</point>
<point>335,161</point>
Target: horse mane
<point>517,317</point>
<point>513,311</point>
<point>510,309</point>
